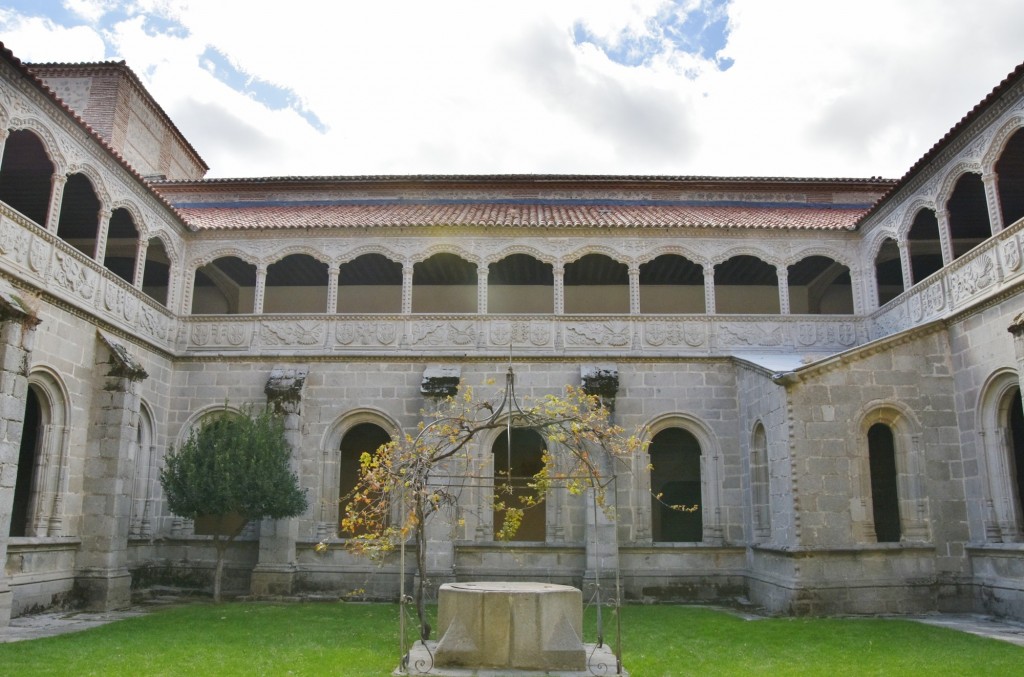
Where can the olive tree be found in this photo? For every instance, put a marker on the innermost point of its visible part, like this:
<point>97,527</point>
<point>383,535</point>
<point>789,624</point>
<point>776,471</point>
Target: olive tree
<point>233,469</point>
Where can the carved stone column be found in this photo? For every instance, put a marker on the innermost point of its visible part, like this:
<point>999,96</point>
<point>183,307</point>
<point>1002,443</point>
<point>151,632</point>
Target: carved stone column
<point>332,289</point>
<point>17,325</point>
<point>57,183</point>
<point>709,290</point>
<point>4,133</point>
<point>275,570</point>
<point>945,240</point>
<point>905,267</point>
<point>102,571</point>
<point>102,228</point>
<point>782,274</point>
<point>634,289</point>
<point>481,289</point>
<point>995,207</point>
<point>559,271</point>
<point>261,288</point>
<point>140,266</point>
<point>407,270</point>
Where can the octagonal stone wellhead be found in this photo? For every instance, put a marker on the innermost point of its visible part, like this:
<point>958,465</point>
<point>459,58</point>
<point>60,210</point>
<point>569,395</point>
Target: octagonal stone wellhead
<point>526,626</point>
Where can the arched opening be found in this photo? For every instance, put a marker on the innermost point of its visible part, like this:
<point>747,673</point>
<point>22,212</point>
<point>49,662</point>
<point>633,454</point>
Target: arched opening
<point>888,271</point>
<point>371,283</point>
<point>968,215</point>
<point>596,284</point>
<point>156,272</point>
<point>1015,444</point>
<point>226,286</point>
<point>26,175</point>
<point>26,480</point>
<point>514,468</point>
<point>925,248</point>
<point>140,525</point>
<point>520,284</point>
<point>444,283</point>
<point>884,495</point>
<point>819,285</point>
<point>759,487</point>
<point>296,284</point>
<point>671,284</point>
<point>122,245</point>
<point>748,285</point>
<point>1010,172</point>
<point>676,483</point>
<point>79,214</point>
<point>361,438</point>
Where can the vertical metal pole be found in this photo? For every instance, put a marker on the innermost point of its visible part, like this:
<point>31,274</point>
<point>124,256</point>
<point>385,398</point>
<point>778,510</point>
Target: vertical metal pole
<point>618,583</point>
<point>401,592</point>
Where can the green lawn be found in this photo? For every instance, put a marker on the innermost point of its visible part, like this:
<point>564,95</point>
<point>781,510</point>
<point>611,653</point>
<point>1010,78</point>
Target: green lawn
<point>361,639</point>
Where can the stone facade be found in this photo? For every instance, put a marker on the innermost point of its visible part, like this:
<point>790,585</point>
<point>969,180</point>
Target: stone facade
<point>822,366</point>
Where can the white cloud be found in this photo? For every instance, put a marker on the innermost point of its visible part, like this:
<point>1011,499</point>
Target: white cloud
<point>453,86</point>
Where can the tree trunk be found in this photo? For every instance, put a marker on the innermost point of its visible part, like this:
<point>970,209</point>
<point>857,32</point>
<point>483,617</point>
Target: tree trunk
<point>222,546</point>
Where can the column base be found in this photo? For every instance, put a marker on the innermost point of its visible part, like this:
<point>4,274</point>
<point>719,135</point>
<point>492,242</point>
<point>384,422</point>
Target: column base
<point>105,590</point>
<point>272,581</point>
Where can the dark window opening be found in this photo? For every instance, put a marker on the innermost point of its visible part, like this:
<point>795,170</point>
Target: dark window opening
<point>25,479</point>
<point>884,494</point>
<point>362,438</point>
<point>925,248</point>
<point>26,175</point>
<point>675,483</point>
<point>514,469</point>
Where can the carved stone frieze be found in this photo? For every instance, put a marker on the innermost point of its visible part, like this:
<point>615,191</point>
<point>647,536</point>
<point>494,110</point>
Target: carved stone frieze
<point>379,333</point>
<point>1009,249</point>
<point>15,241</point>
<point>598,334</point>
<point>658,334</point>
<point>826,333</point>
<point>121,303</point>
<point>893,321</point>
<point>155,324</point>
<point>442,333</point>
<point>976,276</point>
<point>520,333</point>
<point>73,276</point>
<point>760,334</point>
<point>297,333</point>
<point>221,334</point>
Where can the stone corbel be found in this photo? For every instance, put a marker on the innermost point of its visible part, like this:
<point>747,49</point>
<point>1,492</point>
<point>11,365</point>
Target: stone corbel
<point>441,380</point>
<point>122,364</point>
<point>284,387</point>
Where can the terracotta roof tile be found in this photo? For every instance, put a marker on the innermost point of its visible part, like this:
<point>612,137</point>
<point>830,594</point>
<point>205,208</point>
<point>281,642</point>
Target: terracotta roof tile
<point>245,217</point>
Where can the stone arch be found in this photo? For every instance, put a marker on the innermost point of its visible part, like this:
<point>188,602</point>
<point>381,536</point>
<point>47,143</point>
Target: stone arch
<point>27,175</point>
<point>371,282</point>
<point>47,447</point>
<point>951,176</point>
<point>300,249</point>
<point>998,142</point>
<point>145,481</point>
<point>595,248</point>
<point>446,282</point>
<point>710,469</point>
<point>453,249</point>
<point>60,163</point>
<point>671,283</point>
<point>674,250</point>
<point>760,482</point>
<point>517,454</point>
<point>926,242</point>
<point>818,284</point>
<point>95,177</point>
<point>887,264</point>
<point>1004,513</point>
<point>329,510</point>
<point>356,252</point>
<point>527,250</point>
<point>596,283</point>
<point>297,282</point>
<point>907,468</point>
<point>237,291</point>
<point>746,283</point>
<point>519,282</point>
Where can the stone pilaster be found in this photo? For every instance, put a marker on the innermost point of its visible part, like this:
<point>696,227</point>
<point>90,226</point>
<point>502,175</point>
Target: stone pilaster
<point>57,183</point>
<point>261,288</point>
<point>140,265</point>
<point>407,271</point>
<point>275,570</point>
<point>17,325</point>
<point>102,229</point>
<point>634,289</point>
<point>709,290</point>
<point>332,289</point>
<point>992,202</point>
<point>782,276</point>
<point>102,565</point>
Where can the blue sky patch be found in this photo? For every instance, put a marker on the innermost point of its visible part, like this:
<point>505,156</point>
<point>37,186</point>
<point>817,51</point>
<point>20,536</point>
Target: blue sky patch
<point>270,95</point>
<point>702,32</point>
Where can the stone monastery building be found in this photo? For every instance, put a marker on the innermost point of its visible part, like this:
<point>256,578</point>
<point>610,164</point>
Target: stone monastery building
<point>830,368</point>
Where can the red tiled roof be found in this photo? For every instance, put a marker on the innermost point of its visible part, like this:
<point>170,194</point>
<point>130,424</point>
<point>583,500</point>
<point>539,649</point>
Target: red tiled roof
<point>522,215</point>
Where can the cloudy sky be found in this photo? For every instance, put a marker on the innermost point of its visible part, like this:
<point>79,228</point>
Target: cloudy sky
<point>705,87</point>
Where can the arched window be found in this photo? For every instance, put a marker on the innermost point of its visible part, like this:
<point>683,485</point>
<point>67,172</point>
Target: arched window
<point>26,175</point>
<point>371,283</point>
<point>520,284</point>
<point>122,245</point>
<point>888,271</point>
<point>884,495</point>
<point>226,286</point>
<point>596,284</point>
<point>671,284</point>
<point>676,482</point>
<point>746,284</point>
<point>444,283</point>
<point>514,468</point>
<point>759,487</point>
<point>361,438</point>
<point>819,285</point>
<point>79,214</point>
<point>968,215</point>
<point>1010,170</point>
<point>1015,449</point>
<point>925,248</point>
<point>156,273</point>
<point>296,284</point>
<point>26,486</point>
<point>141,523</point>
